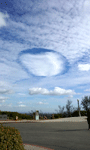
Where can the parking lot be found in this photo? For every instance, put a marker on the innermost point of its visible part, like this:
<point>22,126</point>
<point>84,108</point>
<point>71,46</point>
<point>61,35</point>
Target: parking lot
<point>55,135</point>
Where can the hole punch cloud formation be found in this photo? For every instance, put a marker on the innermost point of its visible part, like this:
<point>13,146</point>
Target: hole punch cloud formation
<point>47,64</point>
<point>43,62</point>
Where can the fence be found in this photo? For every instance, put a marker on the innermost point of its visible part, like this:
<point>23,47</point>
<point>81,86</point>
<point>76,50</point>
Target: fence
<point>3,117</point>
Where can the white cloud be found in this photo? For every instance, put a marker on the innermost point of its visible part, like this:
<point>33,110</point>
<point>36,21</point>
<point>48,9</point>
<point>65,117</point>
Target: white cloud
<point>87,90</point>
<point>2,20</point>
<point>21,94</point>
<point>38,91</point>
<point>60,91</point>
<point>47,64</point>
<point>20,102</point>
<point>10,105</point>
<point>41,103</point>
<point>12,71</point>
<point>6,91</point>
<point>6,105</point>
<point>2,99</point>
<point>4,84</point>
<point>86,7</point>
<point>84,67</point>
<point>22,106</point>
<point>71,96</point>
<point>56,91</point>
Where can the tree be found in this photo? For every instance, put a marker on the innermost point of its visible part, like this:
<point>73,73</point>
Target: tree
<point>61,110</point>
<point>69,109</point>
<point>41,114</point>
<point>31,114</point>
<point>86,103</point>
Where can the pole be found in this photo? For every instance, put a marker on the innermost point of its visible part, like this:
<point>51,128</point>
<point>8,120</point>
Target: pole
<point>79,108</point>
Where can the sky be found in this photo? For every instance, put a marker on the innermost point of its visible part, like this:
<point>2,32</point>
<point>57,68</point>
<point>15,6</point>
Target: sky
<point>44,54</point>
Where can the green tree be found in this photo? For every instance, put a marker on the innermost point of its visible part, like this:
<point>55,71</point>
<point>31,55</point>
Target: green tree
<point>70,109</point>
<point>61,109</point>
<point>85,103</point>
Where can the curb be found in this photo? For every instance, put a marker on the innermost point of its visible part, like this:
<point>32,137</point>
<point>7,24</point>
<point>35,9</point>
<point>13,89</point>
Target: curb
<point>36,146</point>
<point>42,121</point>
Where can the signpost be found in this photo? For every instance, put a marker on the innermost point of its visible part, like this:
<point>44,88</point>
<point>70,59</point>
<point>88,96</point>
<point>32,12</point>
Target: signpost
<point>78,108</point>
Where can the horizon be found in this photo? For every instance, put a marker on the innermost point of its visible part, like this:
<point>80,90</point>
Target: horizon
<point>39,112</point>
<point>44,54</point>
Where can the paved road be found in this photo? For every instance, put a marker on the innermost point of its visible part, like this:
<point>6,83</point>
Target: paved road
<point>55,135</point>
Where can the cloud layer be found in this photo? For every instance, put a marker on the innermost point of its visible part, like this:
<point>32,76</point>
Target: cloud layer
<point>44,45</point>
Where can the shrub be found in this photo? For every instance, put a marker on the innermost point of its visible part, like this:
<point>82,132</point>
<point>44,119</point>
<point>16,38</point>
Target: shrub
<point>40,117</point>
<point>45,117</point>
<point>10,138</point>
<point>57,116</point>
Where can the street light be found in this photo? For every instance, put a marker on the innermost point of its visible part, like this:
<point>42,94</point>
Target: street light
<point>79,108</point>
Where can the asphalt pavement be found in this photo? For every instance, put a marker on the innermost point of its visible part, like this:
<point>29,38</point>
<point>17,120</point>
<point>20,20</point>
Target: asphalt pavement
<point>57,135</point>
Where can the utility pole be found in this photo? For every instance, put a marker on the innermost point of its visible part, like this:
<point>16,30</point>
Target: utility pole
<point>78,108</point>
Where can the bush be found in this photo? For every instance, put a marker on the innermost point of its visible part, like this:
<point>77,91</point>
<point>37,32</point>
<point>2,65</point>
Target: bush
<point>40,117</point>
<point>45,117</point>
<point>75,114</point>
<point>10,138</point>
<point>57,115</point>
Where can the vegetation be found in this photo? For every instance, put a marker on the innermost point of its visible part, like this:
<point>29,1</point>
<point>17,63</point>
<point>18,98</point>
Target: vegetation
<point>71,112</point>
<point>10,138</point>
<point>86,102</point>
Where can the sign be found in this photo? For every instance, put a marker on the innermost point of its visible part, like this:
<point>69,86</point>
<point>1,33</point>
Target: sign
<point>37,115</point>
<point>16,117</point>
<point>3,117</point>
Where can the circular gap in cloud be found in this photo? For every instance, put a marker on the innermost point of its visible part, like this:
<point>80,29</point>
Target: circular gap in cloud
<point>43,62</point>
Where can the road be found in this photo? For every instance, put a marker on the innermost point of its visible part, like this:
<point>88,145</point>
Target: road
<point>55,135</point>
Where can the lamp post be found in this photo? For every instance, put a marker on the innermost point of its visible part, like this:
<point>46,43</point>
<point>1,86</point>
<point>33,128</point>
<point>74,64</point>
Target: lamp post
<point>78,108</point>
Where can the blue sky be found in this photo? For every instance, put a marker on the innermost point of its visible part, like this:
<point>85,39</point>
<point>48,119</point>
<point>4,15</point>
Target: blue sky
<point>44,54</point>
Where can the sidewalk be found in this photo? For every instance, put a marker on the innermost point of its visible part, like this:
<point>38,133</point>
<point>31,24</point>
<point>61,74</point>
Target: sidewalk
<point>70,119</point>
